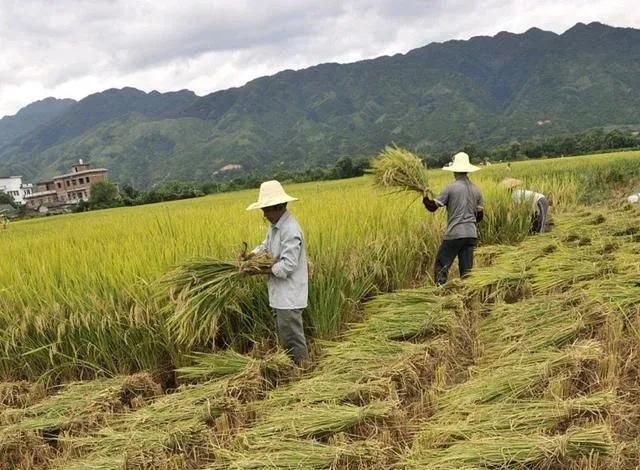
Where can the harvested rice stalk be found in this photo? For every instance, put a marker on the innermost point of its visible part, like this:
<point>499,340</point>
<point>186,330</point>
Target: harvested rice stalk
<point>398,168</point>
<point>204,291</point>
<point>327,387</point>
<point>564,268</point>
<point>507,280</point>
<point>369,357</point>
<point>526,416</point>
<point>403,316</point>
<point>517,376</point>
<point>295,454</point>
<point>515,450</point>
<point>84,404</point>
<point>181,420</point>
<point>537,324</point>
<point>319,420</point>
<point>213,366</point>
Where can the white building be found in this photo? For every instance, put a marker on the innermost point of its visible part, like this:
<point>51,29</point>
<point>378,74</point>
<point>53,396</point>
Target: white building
<point>13,186</point>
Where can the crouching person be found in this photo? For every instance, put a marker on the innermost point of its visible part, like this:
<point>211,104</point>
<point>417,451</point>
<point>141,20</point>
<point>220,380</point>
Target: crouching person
<point>539,202</point>
<point>288,278</point>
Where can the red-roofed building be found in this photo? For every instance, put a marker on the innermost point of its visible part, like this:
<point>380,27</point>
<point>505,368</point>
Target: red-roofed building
<point>70,188</point>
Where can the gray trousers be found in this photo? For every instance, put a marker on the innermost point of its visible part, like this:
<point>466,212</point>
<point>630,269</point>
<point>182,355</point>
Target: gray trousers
<point>539,219</point>
<point>291,333</point>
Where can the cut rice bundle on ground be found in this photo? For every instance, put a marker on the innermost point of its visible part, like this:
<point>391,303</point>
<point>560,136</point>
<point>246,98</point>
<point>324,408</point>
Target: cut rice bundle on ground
<point>400,169</point>
<point>320,420</point>
<point>563,269</point>
<point>517,376</point>
<point>527,417</point>
<point>516,450</point>
<point>537,324</point>
<point>209,366</point>
<point>326,387</point>
<point>179,423</point>
<point>39,430</point>
<point>84,404</point>
<point>404,316</point>
<point>296,454</point>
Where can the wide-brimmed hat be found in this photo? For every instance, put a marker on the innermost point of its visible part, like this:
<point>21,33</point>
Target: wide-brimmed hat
<point>271,194</point>
<point>461,164</point>
<point>509,183</point>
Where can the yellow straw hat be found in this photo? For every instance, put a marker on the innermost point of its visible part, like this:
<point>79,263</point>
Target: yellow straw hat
<point>509,183</point>
<point>271,194</point>
<point>461,164</point>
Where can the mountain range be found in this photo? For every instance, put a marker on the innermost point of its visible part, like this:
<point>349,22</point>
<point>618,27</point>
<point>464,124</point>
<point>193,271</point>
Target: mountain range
<point>486,90</point>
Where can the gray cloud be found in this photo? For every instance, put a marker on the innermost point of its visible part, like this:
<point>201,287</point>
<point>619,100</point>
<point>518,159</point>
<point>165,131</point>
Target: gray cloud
<point>71,48</point>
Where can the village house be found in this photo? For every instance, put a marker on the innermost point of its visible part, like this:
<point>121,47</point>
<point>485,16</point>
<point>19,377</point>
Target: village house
<point>70,188</point>
<point>14,187</point>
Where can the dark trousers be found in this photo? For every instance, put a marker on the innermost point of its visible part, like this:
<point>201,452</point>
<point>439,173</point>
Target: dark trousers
<point>449,249</point>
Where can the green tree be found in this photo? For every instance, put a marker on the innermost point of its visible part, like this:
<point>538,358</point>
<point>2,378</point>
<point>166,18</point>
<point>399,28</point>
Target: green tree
<point>6,199</point>
<point>103,194</point>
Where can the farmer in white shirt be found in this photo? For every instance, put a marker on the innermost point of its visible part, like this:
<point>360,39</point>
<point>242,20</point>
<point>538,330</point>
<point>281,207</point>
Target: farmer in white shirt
<point>288,279</point>
<point>538,201</point>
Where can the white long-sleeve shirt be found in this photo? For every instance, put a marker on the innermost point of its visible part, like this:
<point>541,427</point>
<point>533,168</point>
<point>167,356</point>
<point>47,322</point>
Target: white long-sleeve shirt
<point>288,282</point>
<point>522,195</point>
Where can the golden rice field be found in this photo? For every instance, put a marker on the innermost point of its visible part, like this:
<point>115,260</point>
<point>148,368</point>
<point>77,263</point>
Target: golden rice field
<point>78,293</point>
<point>531,363</point>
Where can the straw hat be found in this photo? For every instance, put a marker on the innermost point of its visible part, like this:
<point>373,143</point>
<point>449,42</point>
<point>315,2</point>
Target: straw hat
<point>271,194</point>
<point>509,183</point>
<point>461,164</point>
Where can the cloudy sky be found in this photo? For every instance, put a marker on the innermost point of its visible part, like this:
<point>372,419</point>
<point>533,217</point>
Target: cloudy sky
<point>71,48</point>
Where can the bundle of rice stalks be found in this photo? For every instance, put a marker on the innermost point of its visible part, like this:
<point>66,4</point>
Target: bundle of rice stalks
<point>514,450</point>
<point>76,410</point>
<point>214,366</point>
<point>142,448</point>
<point>319,420</point>
<point>517,376</point>
<point>404,315</point>
<point>271,368</point>
<point>83,405</point>
<point>526,417</point>
<point>328,387</point>
<point>622,290</point>
<point>204,292</point>
<point>565,268</point>
<point>182,420</point>
<point>507,281</point>
<point>537,324</point>
<point>367,356</point>
<point>398,168</point>
<point>296,454</point>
